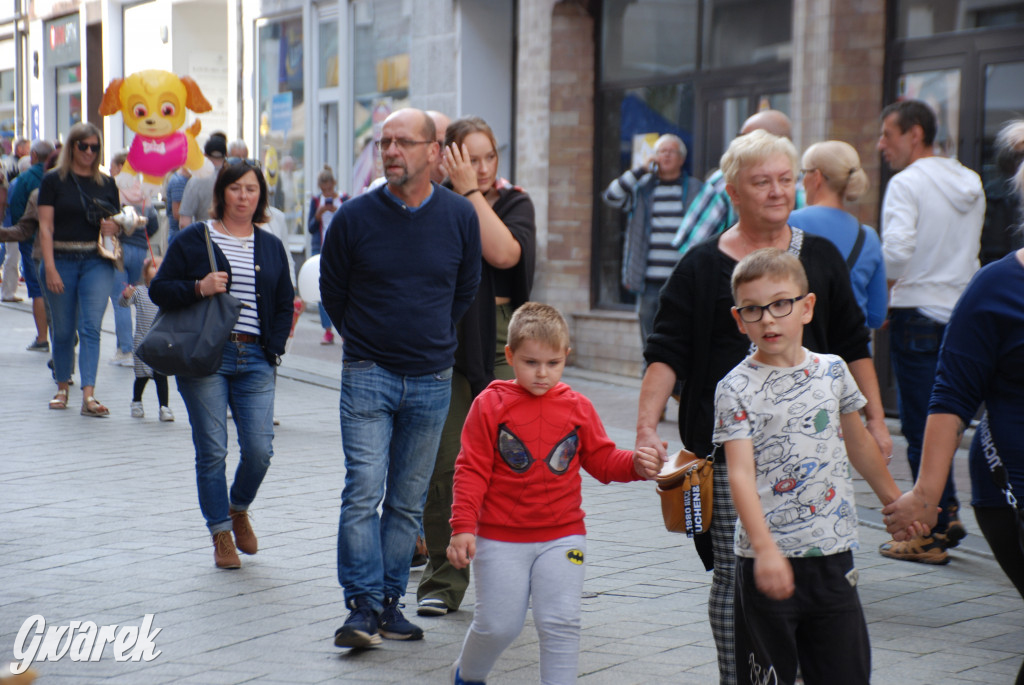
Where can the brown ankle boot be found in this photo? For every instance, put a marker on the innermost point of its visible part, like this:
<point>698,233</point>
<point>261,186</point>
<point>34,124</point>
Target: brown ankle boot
<point>224,554</point>
<point>245,538</point>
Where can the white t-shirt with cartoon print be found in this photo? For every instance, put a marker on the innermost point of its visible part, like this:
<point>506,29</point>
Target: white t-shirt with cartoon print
<point>802,469</point>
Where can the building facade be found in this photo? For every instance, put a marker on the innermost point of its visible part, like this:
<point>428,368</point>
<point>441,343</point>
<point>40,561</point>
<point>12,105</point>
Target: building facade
<point>569,86</point>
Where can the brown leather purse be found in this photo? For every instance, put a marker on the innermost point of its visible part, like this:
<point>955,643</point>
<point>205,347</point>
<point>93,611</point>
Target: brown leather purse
<point>685,486</point>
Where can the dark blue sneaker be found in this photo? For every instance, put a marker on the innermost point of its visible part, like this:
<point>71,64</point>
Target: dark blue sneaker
<point>360,629</point>
<point>393,625</point>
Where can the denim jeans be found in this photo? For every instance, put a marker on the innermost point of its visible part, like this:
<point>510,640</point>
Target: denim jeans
<point>27,263</point>
<point>245,382</point>
<point>325,321</point>
<point>132,275</point>
<point>390,429</point>
<point>915,340</point>
<point>87,281</point>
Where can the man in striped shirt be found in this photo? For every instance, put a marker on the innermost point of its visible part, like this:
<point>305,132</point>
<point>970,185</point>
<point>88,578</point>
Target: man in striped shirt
<point>656,196</point>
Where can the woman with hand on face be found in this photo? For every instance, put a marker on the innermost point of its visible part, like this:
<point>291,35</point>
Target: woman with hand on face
<point>78,280</point>
<point>253,267</point>
<point>508,235</point>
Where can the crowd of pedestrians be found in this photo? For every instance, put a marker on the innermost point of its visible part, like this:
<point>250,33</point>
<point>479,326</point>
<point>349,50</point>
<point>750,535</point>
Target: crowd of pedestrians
<point>757,293</point>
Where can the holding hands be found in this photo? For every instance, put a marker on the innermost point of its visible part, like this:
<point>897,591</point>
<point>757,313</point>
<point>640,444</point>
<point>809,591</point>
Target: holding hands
<point>909,516</point>
<point>647,462</point>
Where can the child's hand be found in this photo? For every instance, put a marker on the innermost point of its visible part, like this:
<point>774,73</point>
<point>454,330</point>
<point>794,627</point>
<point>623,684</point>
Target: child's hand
<point>774,575</point>
<point>127,292</point>
<point>462,549</point>
<point>647,463</point>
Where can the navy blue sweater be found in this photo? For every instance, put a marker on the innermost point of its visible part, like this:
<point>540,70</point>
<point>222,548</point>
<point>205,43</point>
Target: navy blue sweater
<point>187,261</point>
<point>396,282</point>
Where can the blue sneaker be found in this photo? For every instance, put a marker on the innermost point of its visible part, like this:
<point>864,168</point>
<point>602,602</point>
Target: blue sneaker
<point>360,629</point>
<point>392,623</point>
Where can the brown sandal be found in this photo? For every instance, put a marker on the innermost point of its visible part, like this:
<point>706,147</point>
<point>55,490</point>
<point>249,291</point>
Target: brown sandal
<point>60,400</point>
<point>93,407</point>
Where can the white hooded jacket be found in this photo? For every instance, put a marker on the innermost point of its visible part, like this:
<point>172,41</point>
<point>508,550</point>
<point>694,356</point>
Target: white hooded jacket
<point>931,233</point>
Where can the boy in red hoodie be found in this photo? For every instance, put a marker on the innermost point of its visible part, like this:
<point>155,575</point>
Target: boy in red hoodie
<point>516,512</point>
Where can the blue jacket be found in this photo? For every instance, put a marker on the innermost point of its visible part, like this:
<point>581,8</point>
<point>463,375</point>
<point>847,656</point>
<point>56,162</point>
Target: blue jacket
<point>187,261</point>
<point>27,181</point>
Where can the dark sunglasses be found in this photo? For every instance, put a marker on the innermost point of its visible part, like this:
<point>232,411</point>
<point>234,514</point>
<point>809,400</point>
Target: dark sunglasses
<point>249,163</point>
<point>83,146</point>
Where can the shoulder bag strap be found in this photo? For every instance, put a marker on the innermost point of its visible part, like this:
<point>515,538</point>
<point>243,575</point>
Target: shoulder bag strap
<point>209,248</point>
<point>858,245</point>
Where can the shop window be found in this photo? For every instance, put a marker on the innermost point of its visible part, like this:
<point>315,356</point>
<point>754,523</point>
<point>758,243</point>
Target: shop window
<point>7,104</point>
<point>380,78</point>
<point>69,98</point>
<point>632,119</point>
<point>328,54</point>
<point>648,38</point>
<point>738,32</point>
<point>941,91</point>
<point>282,124</point>
<point>921,18</point>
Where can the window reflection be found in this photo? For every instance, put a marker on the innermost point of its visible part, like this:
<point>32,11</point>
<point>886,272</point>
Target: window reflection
<point>919,18</point>
<point>643,38</point>
<point>740,32</point>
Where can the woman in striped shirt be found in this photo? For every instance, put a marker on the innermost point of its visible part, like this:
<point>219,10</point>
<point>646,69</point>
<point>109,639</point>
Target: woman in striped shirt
<point>253,267</point>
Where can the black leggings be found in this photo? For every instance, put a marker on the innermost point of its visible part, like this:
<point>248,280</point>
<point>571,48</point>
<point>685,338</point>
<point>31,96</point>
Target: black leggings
<point>1000,527</point>
<point>161,388</point>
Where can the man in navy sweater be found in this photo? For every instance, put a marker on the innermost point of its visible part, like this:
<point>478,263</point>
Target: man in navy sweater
<point>399,267</point>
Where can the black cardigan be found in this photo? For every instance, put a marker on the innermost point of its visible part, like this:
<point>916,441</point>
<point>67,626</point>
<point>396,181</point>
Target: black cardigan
<point>474,356</point>
<point>187,261</point>
<point>695,334</point>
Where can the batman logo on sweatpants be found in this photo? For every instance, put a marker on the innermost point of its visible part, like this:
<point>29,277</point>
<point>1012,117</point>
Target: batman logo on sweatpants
<point>575,556</point>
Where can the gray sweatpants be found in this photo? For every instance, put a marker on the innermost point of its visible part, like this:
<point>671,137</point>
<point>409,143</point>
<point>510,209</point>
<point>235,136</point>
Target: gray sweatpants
<point>507,576</point>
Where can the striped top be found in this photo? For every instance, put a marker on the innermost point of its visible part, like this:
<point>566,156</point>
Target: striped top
<point>145,312</point>
<point>667,203</point>
<point>239,252</point>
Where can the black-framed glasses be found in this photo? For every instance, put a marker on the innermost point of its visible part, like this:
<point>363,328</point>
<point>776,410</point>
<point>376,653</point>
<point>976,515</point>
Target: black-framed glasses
<point>778,309</point>
<point>402,143</point>
<point>83,146</point>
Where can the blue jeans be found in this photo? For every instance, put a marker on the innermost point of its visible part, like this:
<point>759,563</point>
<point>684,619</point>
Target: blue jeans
<point>245,382</point>
<point>325,321</point>
<point>390,428</point>
<point>915,340</point>
<point>27,263</point>
<point>87,281</point>
<point>132,275</point>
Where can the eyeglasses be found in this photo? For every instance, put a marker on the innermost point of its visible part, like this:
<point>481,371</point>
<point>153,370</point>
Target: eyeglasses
<point>778,309</point>
<point>402,143</point>
<point>807,171</point>
<point>83,146</point>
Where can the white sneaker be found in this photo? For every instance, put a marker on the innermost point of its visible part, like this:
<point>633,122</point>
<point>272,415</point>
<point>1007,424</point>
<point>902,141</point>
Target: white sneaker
<point>137,411</point>
<point>121,359</point>
<point>165,414</point>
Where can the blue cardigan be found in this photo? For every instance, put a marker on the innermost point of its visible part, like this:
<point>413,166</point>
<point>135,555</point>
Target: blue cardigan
<point>187,261</point>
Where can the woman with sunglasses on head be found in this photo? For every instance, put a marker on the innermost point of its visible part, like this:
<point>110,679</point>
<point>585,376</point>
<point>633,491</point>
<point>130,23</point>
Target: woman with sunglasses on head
<point>78,279</point>
<point>252,266</point>
<point>696,340</point>
<point>508,237</point>
<point>832,177</point>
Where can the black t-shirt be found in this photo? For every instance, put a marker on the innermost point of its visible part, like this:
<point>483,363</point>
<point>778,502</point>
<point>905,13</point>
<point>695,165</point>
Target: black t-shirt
<point>70,222</point>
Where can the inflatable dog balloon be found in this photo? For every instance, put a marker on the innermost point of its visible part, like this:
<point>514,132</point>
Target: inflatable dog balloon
<point>153,103</point>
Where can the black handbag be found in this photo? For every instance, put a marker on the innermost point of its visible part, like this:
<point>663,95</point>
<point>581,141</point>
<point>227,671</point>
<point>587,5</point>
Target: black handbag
<point>190,341</point>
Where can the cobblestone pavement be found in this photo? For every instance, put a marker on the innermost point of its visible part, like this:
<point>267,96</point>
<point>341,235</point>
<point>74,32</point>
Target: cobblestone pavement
<point>99,522</point>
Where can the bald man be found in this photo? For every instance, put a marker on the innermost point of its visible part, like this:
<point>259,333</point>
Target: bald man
<point>711,211</point>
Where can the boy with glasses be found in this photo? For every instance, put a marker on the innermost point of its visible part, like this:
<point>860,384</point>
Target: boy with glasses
<point>783,415</point>
<point>516,512</point>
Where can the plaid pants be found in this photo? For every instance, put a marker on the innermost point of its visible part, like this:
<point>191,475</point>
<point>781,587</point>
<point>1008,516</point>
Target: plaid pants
<point>723,581</point>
